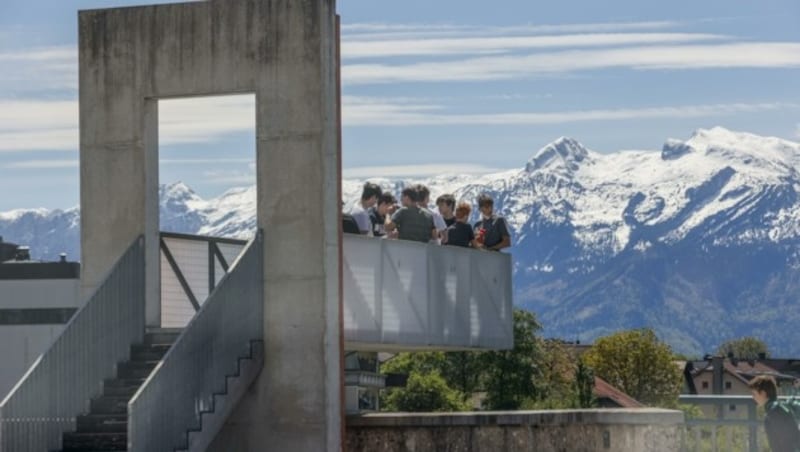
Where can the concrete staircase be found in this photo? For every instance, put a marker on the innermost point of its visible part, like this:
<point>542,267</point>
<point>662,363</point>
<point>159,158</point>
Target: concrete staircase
<point>236,385</point>
<point>105,428</point>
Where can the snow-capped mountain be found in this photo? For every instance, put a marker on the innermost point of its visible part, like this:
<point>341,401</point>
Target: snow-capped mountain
<point>699,240</point>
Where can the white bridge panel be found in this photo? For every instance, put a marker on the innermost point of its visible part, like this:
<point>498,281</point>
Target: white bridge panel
<point>401,295</point>
<point>398,295</point>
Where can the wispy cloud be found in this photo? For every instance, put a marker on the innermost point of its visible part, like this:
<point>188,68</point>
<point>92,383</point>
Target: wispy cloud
<point>213,118</point>
<point>425,170</point>
<point>40,69</point>
<point>199,120</point>
<point>42,164</point>
<point>370,48</point>
<point>34,124</point>
<point>35,138</point>
<point>231,178</point>
<point>395,31</point>
<point>373,113</point>
<point>729,55</point>
<point>210,161</point>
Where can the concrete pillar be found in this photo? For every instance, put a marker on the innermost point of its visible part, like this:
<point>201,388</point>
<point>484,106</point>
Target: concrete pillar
<point>284,52</point>
<point>118,161</point>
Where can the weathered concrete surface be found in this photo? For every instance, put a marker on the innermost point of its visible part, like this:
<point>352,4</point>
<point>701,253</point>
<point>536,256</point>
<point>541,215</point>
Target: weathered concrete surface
<point>623,430</point>
<point>284,52</point>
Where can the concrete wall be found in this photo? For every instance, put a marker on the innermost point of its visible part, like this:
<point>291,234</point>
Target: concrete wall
<point>284,51</point>
<point>617,430</point>
<point>20,345</point>
<point>39,293</point>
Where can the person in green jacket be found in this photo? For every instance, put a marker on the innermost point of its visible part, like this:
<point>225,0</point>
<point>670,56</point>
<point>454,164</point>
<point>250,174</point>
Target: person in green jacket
<point>779,423</point>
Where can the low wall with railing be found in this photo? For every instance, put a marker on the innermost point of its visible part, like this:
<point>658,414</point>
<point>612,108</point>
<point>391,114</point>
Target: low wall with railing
<point>403,295</point>
<point>592,430</point>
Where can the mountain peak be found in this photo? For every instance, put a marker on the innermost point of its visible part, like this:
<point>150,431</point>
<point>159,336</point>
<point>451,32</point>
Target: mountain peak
<point>176,191</point>
<point>674,149</point>
<point>743,146</point>
<point>564,152</point>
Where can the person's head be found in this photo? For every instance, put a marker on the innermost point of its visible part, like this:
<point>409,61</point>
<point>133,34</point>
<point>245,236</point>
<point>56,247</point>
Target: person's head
<point>763,388</point>
<point>408,196</point>
<point>370,194</point>
<point>485,205</point>
<point>385,202</point>
<point>423,195</point>
<point>462,212</point>
<point>446,204</point>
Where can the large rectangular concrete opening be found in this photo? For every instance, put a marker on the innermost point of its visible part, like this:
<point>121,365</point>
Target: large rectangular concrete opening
<point>207,196</point>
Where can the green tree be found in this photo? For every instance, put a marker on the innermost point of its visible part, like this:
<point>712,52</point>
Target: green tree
<point>428,372</point>
<point>425,392</point>
<point>510,374</point>
<point>555,376</point>
<point>463,371</point>
<point>639,364</point>
<point>583,386</point>
<point>743,348</point>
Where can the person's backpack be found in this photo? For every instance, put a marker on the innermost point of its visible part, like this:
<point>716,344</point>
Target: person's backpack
<point>792,406</point>
<point>349,225</point>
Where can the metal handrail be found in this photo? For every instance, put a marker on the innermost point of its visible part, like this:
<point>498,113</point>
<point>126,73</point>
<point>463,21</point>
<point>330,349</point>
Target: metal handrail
<point>181,387</point>
<point>60,383</point>
<point>191,267</point>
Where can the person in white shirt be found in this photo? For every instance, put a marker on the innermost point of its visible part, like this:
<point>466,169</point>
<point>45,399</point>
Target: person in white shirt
<point>360,209</point>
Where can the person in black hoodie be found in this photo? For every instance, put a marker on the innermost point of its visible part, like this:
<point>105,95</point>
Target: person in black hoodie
<point>460,233</point>
<point>491,231</point>
<point>779,423</point>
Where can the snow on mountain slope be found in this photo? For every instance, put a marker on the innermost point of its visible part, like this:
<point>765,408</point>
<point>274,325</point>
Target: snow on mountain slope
<point>701,229</point>
<point>606,200</point>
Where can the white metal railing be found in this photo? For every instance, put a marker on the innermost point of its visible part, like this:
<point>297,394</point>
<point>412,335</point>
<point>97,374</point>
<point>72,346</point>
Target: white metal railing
<point>171,400</point>
<point>191,266</point>
<point>60,383</point>
<point>728,422</point>
<point>403,295</point>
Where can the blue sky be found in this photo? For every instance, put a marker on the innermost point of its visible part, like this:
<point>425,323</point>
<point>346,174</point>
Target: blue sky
<point>466,85</point>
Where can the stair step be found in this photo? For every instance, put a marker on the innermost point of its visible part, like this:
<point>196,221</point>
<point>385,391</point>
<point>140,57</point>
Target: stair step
<point>152,352</point>
<point>135,369</point>
<point>110,405</point>
<point>103,423</point>
<point>122,382</point>
<point>161,337</point>
<point>84,442</point>
<point>121,391</point>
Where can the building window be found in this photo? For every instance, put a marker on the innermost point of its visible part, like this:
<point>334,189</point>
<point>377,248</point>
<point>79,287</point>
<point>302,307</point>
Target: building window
<point>732,408</point>
<point>705,385</point>
<point>727,385</point>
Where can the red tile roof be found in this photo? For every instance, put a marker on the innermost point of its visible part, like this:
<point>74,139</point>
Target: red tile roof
<point>603,389</point>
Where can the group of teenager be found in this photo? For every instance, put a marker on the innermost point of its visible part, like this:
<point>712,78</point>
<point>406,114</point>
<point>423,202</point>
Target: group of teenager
<point>378,214</point>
